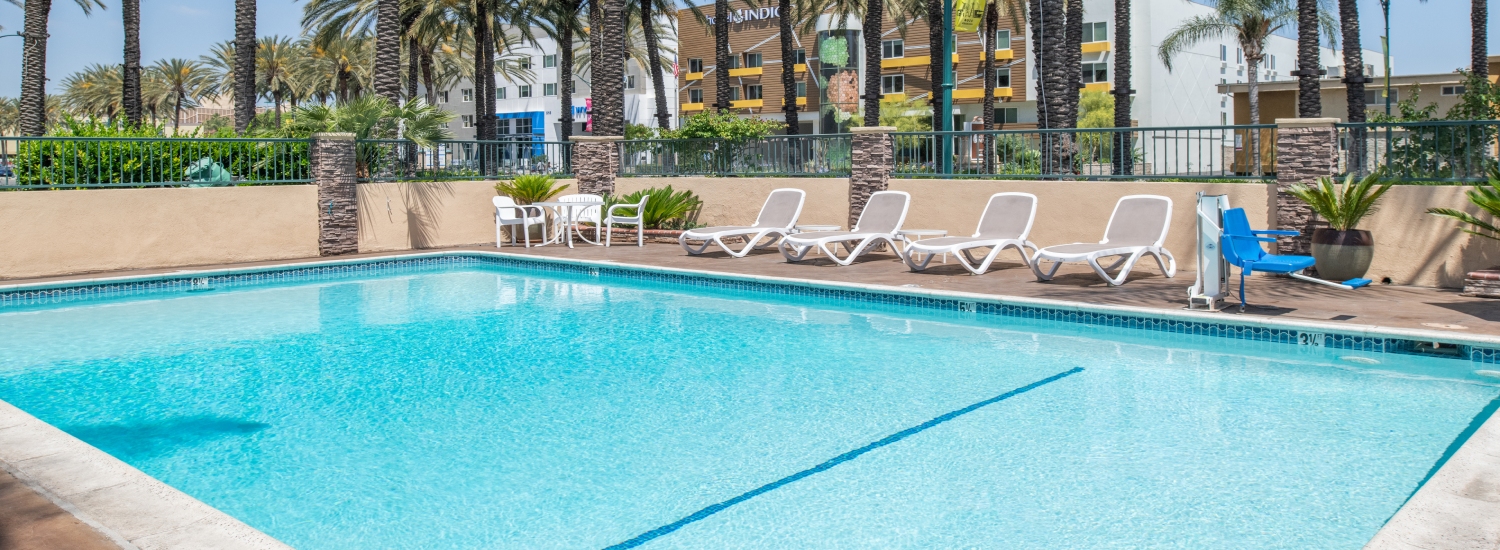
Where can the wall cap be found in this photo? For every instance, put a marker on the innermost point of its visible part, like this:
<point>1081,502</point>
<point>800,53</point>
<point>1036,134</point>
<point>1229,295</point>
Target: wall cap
<point>1305,122</point>
<point>595,139</point>
<point>872,129</point>
<point>334,136</point>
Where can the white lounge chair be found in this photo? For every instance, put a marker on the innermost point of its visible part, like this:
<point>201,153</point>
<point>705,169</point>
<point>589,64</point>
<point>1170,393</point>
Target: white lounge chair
<point>1138,226</point>
<point>508,213</point>
<point>1005,223</point>
<point>879,221</point>
<point>777,217</point>
<point>638,220</point>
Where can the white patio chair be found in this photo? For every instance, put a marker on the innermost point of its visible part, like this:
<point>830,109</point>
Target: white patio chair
<point>508,213</point>
<point>777,218</point>
<point>639,220</point>
<point>1137,226</point>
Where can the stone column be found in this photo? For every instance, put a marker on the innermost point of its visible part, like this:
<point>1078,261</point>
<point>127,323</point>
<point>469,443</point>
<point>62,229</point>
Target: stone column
<point>596,161</point>
<point>871,167</point>
<point>1306,149</point>
<point>332,168</point>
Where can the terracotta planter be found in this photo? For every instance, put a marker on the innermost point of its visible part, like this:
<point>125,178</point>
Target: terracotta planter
<point>1342,255</point>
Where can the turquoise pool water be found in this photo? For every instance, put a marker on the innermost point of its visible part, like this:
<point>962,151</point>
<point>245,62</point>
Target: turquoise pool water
<point>487,407</point>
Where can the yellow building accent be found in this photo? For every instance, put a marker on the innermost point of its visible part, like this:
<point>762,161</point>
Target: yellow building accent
<point>1000,55</point>
<point>799,68</point>
<point>955,58</point>
<point>747,71</point>
<point>693,76</point>
<point>978,93</point>
<point>892,98</point>
<point>1095,47</point>
<point>917,61</point>
<point>1096,87</point>
<point>800,101</point>
<point>748,103</point>
<point>692,106</point>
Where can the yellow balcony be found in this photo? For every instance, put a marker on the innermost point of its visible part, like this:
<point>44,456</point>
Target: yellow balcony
<point>693,76</point>
<point>799,68</point>
<point>899,62</point>
<point>978,93</point>
<point>1095,47</point>
<point>748,104</point>
<point>892,98</point>
<point>747,71</point>
<point>800,101</point>
<point>1096,87</point>
<point>692,106</point>
<point>1004,54</point>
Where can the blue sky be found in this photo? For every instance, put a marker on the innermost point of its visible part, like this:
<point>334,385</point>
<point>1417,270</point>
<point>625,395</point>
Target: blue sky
<point>1430,37</point>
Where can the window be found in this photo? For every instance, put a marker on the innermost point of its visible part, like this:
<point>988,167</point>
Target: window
<point>443,96</point>
<point>1002,39</point>
<point>1002,78</point>
<point>1006,115</point>
<point>1375,97</point>
<point>1223,70</point>
<point>549,89</point>
<point>734,62</point>
<point>1453,90</point>
<point>893,84</point>
<point>734,94</point>
<point>1095,72</point>
<point>1335,72</point>
<point>1095,32</point>
<point>468,94</point>
<point>695,65</point>
<point>1223,119</point>
<point>499,92</point>
<point>1271,62</point>
<point>752,91</point>
<point>1223,52</point>
<point>801,89</point>
<point>467,121</point>
<point>1239,55</point>
<point>752,59</point>
<point>523,126</point>
<point>502,126</point>
<point>1369,70</point>
<point>891,49</point>
<point>1223,102</point>
<point>695,95</point>
<point>524,62</point>
<point>523,90</point>
<point>629,82</point>
<point>800,56</point>
<point>549,61</point>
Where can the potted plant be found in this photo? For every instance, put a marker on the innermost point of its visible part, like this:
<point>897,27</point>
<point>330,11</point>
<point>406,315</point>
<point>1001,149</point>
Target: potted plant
<point>1342,251</point>
<point>530,188</point>
<point>1485,282</point>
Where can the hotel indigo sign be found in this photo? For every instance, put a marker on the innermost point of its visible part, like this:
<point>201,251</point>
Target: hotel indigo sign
<point>741,16</point>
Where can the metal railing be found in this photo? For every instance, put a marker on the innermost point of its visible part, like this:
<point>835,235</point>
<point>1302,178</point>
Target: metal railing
<point>82,162</point>
<point>396,160</point>
<point>1432,151</point>
<point>1196,153</point>
<point>810,155</point>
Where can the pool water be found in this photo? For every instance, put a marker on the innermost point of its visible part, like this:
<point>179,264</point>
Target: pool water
<point>489,407</point>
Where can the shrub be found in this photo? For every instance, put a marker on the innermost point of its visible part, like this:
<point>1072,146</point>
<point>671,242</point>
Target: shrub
<point>666,209</point>
<point>530,188</point>
<point>1487,198</point>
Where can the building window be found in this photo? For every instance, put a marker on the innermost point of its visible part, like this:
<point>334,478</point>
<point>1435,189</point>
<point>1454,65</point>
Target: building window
<point>734,94</point>
<point>443,96</point>
<point>1239,55</point>
<point>1002,39</point>
<point>891,49</point>
<point>801,89</point>
<point>1006,115</point>
<point>1223,119</point>
<point>1002,78</point>
<point>752,91</point>
<point>1095,32</point>
<point>1095,72</point>
<point>523,90</point>
<point>1223,102</point>
<point>1271,62</point>
<point>499,92</point>
<point>1375,97</point>
<point>752,59</point>
<point>800,56</point>
<point>695,95</point>
<point>549,89</point>
<point>1223,52</point>
<point>549,61</point>
<point>524,62</point>
<point>468,94</point>
<point>467,121</point>
<point>502,126</point>
<point>695,65</point>
<point>523,126</point>
<point>893,84</point>
<point>629,82</point>
<point>734,62</point>
<point>1452,90</point>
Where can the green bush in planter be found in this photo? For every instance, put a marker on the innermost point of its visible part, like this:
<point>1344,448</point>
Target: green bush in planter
<point>1343,206</point>
<point>666,209</point>
<point>530,188</point>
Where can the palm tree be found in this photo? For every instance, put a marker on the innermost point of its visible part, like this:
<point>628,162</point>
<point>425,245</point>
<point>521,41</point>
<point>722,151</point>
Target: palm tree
<point>34,62</point>
<point>1048,26</point>
<point>563,25</point>
<point>1354,63</point>
<point>94,91</point>
<point>1073,63</point>
<point>936,46</point>
<point>10,116</point>
<point>244,64</point>
<point>388,50</point>
<point>788,64</point>
<point>186,80</point>
<point>721,54</point>
<point>1123,150</point>
<point>1478,48</point>
<point>653,60</point>
<point>608,82</point>
<point>130,12</point>
<point>1251,22</point>
<point>275,60</point>
<point>339,66</point>
<point>220,61</point>
<point>1309,100</point>
<point>993,11</point>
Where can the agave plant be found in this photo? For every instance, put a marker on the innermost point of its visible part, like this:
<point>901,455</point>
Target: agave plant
<point>1342,206</point>
<point>666,209</point>
<point>530,188</point>
<point>1487,198</point>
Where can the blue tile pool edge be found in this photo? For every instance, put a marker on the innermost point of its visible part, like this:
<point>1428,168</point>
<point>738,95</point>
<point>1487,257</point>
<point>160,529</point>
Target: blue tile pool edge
<point>1480,349</point>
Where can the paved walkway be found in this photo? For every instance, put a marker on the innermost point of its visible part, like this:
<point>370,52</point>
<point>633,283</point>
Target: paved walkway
<point>29,521</point>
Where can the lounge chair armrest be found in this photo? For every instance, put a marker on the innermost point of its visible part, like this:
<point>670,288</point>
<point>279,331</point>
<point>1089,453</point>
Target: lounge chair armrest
<point>611,212</point>
<point>1281,232</point>
<point>521,211</point>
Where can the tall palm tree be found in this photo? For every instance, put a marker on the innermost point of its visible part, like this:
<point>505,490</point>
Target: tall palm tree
<point>1123,150</point>
<point>653,59</point>
<point>936,46</point>
<point>388,50</point>
<point>721,54</point>
<point>130,14</point>
<point>1250,22</point>
<point>220,61</point>
<point>1073,63</point>
<point>608,81</point>
<point>34,62</point>
<point>339,65</point>
<point>244,64</point>
<point>1478,48</point>
<point>1354,62</point>
<point>1048,30</point>
<point>993,11</point>
<point>1309,100</point>
<point>186,80</point>
<point>94,91</point>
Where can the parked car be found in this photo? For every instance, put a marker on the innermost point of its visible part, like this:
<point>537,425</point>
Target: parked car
<point>6,171</point>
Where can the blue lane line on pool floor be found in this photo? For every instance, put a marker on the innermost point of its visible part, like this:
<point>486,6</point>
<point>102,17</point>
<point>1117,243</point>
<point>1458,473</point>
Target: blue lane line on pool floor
<point>648,536</point>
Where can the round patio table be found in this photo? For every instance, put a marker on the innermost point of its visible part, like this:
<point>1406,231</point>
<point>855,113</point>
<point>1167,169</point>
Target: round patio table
<point>565,211</point>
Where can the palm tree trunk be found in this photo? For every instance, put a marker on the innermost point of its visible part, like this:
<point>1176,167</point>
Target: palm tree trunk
<point>177,112</point>
<point>936,45</point>
<point>1309,97</point>
<point>484,67</point>
<point>1478,48</point>
<point>609,75</point>
<point>33,104</point>
<point>1253,62</point>
<point>721,54</point>
<point>653,58</point>
<point>788,68</point>
<point>1123,153</point>
<point>991,27</point>
<point>428,80</point>
<point>1073,46</point>
<point>387,77</point>
<point>1354,78</point>
<point>244,64</point>
<point>874,14</point>
<point>413,68</point>
<point>565,76</point>
<point>130,13</point>
<point>276,102</point>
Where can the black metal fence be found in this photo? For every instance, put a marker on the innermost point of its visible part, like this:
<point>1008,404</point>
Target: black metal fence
<point>395,160</point>
<point>1431,152</point>
<point>34,163</point>
<point>810,155</point>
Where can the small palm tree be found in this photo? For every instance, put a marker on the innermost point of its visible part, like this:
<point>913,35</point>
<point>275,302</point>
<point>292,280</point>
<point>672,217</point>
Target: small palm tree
<point>1343,206</point>
<point>1487,198</point>
<point>34,62</point>
<point>94,91</point>
<point>187,81</point>
<point>275,60</point>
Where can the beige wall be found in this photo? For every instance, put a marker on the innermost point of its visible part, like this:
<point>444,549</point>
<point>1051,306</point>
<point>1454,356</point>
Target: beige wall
<point>46,233</point>
<point>414,215</point>
<point>1416,248</point>
<point>736,201</point>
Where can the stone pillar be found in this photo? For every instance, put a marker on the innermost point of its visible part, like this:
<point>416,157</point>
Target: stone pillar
<point>596,161</point>
<point>1306,149</point>
<point>332,168</point>
<point>871,167</point>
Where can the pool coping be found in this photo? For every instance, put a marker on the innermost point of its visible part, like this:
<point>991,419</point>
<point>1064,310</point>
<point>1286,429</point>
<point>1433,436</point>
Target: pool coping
<point>1454,509</point>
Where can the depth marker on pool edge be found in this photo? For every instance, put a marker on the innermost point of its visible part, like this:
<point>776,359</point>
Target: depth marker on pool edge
<point>710,510</point>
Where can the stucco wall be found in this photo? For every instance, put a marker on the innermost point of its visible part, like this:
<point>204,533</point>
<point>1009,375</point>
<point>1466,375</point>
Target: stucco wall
<point>736,201</point>
<point>414,215</point>
<point>1416,248</point>
<point>46,233</point>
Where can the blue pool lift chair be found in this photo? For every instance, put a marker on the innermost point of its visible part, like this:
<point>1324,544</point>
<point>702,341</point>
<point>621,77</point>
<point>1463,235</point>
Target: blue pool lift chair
<point>1242,248</point>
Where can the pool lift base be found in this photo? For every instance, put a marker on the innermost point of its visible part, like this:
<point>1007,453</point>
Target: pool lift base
<point>1211,288</point>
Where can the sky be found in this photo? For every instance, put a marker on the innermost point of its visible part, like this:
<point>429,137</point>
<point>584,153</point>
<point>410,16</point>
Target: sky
<point>1431,37</point>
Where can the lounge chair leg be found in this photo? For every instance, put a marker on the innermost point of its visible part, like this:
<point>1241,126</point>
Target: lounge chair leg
<point>1036,269</point>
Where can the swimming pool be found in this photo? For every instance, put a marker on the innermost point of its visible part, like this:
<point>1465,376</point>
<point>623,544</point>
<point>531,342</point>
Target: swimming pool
<point>472,404</point>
